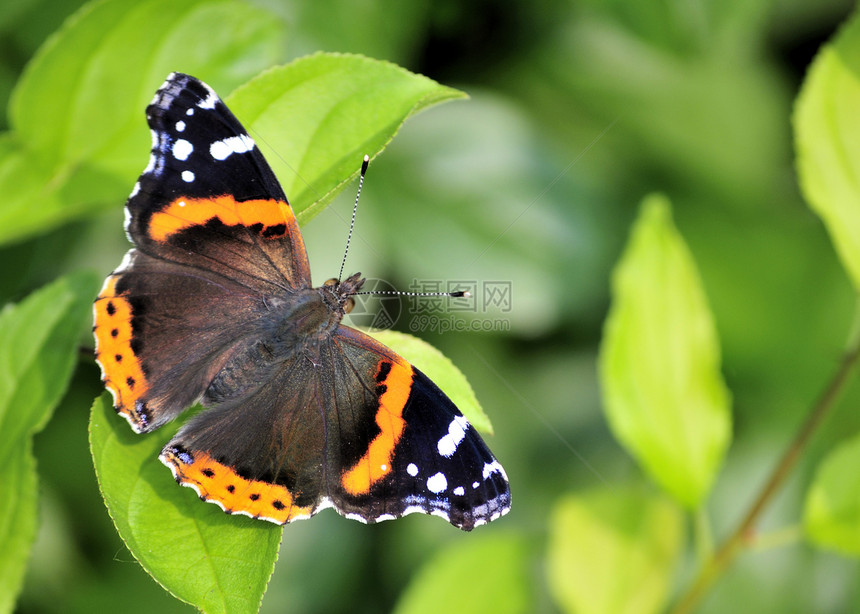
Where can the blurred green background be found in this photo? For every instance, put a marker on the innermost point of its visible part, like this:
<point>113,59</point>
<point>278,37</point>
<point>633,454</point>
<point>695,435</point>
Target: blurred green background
<point>578,110</point>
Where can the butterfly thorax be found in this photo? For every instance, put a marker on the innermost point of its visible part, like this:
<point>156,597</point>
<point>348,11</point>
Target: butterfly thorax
<point>307,316</point>
<point>295,323</point>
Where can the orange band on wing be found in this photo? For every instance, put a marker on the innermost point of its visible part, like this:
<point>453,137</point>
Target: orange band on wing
<point>275,216</point>
<point>218,483</point>
<point>121,369</point>
<point>376,463</point>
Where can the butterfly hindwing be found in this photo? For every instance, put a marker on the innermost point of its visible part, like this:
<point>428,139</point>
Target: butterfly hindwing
<point>426,456</point>
<point>358,429</point>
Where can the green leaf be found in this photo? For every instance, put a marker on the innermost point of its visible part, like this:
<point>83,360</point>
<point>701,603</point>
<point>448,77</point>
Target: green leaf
<point>831,515</point>
<point>439,368</point>
<point>25,180</point>
<point>18,516</point>
<point>613,552</point>
<point>78,110</point>
<point>827,135</point>
<point>663,392</point>
<point>481,574</point>
<point>38,350</point>
<point>216,562</point>
<point>323,113</point>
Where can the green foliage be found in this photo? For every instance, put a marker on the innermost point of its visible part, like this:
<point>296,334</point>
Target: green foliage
<point>660,361</point>
<point>614,552</point>
<point>486,574</point>
<point>687,85</point>
<point>827,130</point>
<point>828,164</point>
<point>577,110</point>
<point>38,347</point>
<point>831,515</point>
<point>18,513</point>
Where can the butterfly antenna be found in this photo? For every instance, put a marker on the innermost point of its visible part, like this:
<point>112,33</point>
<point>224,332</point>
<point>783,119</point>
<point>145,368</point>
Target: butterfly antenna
<point>455,294</point>
<point>364,164</point>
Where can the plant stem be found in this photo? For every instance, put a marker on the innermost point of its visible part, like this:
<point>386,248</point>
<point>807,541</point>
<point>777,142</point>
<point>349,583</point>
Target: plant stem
<point>730,548</point>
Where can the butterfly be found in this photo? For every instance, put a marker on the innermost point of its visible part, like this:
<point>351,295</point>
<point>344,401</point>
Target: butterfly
<point>214,304</point>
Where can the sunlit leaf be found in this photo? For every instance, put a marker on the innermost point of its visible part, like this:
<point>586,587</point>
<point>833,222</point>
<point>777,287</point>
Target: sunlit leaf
<point>38,349</point>
<point>832,511</point>
<point>663,391</point>
<point>317,117</point>
<point>613,552</point>
<point>827,134</point>
<point>485,574</point>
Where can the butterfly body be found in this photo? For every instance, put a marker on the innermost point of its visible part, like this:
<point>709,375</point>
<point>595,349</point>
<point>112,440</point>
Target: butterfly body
<point>215,304</point>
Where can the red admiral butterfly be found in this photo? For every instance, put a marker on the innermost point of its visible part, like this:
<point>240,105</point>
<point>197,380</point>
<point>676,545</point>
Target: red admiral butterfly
<point>215,304</point>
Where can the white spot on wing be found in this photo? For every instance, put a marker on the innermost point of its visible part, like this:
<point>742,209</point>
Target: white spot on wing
<point>459,491</point>
<point>221,150</point>
<point>412,469</point>
<point>187,177</point>
<point>210,100</point>
<point>437,483</point>
<point>494,467</point>
<point>182,149</point>
<point>180,126</point>
<point>456,432</point>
